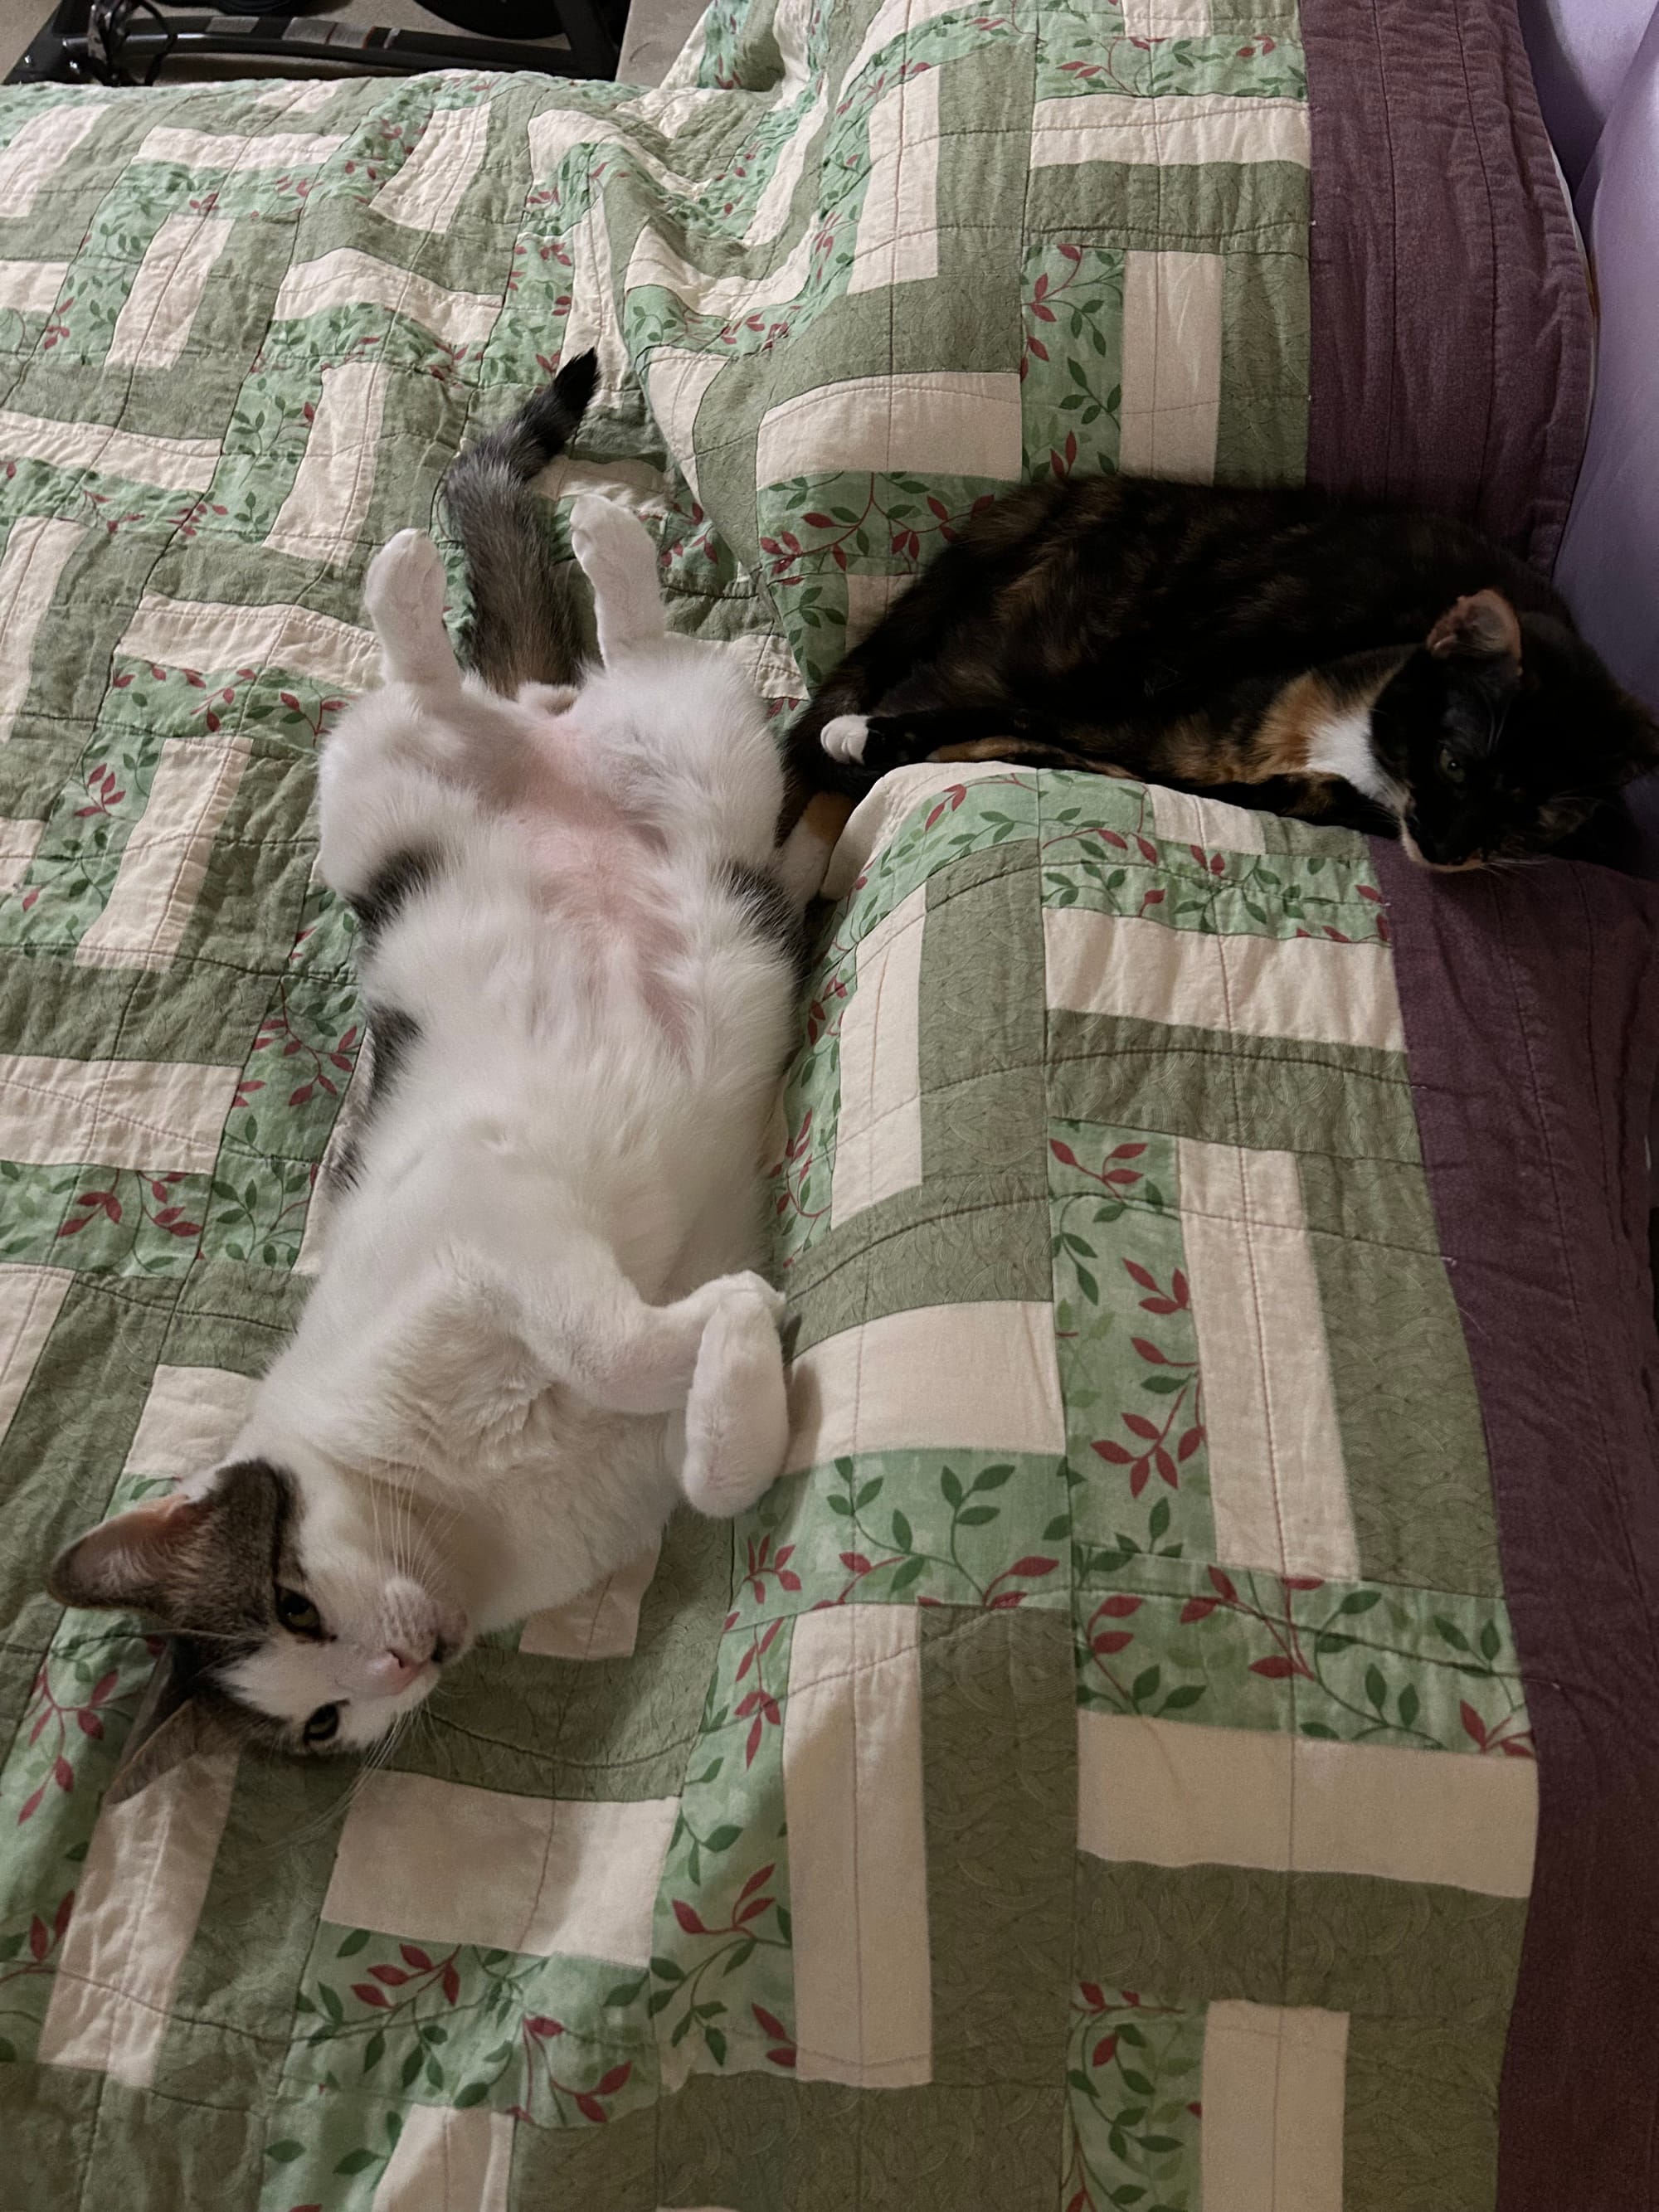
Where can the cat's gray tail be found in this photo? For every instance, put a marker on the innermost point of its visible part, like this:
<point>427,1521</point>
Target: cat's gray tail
<point>521,629</point>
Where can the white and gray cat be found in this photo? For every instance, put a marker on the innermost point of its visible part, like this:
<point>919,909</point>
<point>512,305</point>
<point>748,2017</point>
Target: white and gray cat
<point>535,1329</point>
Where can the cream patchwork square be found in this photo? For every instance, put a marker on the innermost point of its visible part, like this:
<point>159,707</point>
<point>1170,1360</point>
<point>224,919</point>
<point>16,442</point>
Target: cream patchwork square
<point>979,1377</point>
<point>1175,1793</point>
<point>112,1113</point>
<point>1170,387</point>
<point>444,1862</point>
<point>37,552</point>
<point>190,1420</point>
<point>1278,1485</point>
<point>955,421</point>
<point>201,634</point>
<point>898,223</point>
<point>1311,987</point>
<point>165,859</point>
<point>878,1127</point>
<point>327,506</point>
<point>347,277</point>
<point>1274,2095</point>
<point>31,1299</point>
<point>136,1908</point>
<point>154,326</point>
<point>858,1854</point>
<point>20,841</point>
<point>603,1623</point>
<point>426,192</point>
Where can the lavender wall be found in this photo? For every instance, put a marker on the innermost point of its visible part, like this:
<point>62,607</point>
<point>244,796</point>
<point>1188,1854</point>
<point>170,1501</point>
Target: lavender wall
<point>1596,62</point>
<point>1581,51</point>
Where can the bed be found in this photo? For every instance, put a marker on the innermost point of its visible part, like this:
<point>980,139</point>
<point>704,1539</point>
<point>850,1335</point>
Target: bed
<point>1179,1734</point>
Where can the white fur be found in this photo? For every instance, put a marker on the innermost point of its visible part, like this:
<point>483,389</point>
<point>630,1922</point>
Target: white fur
<point>845,736</point>
<point>1341,746</point>
<point>535,1329</point>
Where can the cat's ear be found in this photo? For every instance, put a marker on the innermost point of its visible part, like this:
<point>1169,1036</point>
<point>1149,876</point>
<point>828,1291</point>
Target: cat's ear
<point>131,1564</point>
<point>173,1722</point>
<point>1483,624</point>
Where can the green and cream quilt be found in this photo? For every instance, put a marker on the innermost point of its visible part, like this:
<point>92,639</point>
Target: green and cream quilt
<point>1098,1774</point>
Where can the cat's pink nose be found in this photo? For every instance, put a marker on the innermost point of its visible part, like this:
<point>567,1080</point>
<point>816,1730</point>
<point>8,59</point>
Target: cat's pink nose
<point>394,1671</point>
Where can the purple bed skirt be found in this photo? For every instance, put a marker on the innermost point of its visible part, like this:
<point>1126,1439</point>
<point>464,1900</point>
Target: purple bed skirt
<point>1451,318</point>
<point>1452,356</point>
<point>1531,1002</point>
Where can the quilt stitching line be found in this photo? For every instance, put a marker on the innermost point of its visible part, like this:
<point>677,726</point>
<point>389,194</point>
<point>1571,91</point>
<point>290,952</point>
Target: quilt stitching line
<point>953,1213</point>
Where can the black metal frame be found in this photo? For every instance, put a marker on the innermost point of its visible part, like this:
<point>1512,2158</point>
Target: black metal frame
<point>68,48</point>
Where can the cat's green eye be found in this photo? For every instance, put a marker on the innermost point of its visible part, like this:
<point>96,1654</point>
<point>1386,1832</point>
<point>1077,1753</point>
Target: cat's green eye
<point>323,1725</point>
<point>1449,765</point>
<point>297,1614</point>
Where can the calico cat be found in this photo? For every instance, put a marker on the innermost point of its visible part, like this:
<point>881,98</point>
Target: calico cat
<point>1392,671</point>
<point>537,1328</point>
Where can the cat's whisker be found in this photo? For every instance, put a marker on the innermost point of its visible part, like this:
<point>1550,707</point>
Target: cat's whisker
<point>379,1541</point>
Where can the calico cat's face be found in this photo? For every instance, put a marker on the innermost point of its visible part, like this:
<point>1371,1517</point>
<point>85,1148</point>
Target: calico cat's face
<point>1503,735</point>
<point>304,1627</point>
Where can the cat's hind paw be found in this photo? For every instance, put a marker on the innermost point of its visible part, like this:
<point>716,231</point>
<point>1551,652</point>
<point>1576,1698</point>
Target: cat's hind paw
<point>404,586</point>
<point>403,592</point>
<point>618,555</point>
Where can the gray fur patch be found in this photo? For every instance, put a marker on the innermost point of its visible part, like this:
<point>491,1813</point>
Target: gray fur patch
<point>522,630</point>
<point>774,918</point>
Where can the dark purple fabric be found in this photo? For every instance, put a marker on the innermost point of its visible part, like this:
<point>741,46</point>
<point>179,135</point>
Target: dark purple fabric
<point>1451,328</point>
<point>1531,1003</point>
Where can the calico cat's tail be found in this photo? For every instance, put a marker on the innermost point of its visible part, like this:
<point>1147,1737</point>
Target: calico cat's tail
<point>520,631</point>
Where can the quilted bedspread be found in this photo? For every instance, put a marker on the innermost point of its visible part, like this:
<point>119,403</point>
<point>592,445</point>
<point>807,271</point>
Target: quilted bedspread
<point>1100,1773</point>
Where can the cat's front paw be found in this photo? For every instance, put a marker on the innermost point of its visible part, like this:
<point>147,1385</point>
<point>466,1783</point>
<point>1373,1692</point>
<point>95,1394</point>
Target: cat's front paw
<point>618,556</point>
<point>844,738</point>
<point>737,1417</point>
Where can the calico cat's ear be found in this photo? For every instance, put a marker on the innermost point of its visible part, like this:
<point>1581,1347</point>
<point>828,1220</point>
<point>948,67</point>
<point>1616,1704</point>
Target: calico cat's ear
<point>133,1563</point>
<point>1485,624</point>
<point>172,1722</point>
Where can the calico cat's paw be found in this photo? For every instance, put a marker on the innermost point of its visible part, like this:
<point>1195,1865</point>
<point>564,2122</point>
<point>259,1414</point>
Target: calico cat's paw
<point>844,738</point>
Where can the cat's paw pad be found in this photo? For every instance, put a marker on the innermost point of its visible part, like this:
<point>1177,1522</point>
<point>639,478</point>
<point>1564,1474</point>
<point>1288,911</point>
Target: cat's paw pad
<point>404,586</point>
<point>844,739</point>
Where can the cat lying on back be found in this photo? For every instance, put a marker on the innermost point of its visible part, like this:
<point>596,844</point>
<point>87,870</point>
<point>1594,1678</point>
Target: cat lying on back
<point>535,1330</point>
<point>1388,671</point>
